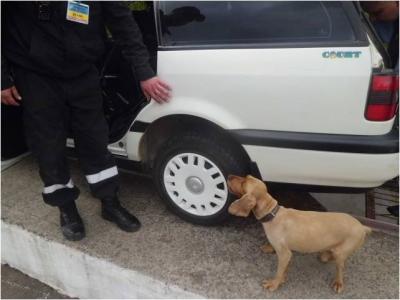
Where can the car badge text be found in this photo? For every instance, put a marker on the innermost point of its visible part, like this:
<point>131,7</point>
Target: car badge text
<point>341,54</point>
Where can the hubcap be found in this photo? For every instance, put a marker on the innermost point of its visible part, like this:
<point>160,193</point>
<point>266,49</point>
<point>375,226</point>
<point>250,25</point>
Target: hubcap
<point>195,184</point>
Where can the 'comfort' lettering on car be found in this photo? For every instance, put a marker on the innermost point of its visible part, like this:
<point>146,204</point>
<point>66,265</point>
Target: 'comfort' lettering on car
<point>341,54</point>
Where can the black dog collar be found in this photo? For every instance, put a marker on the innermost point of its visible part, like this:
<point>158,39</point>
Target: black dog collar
<point>268,217</point>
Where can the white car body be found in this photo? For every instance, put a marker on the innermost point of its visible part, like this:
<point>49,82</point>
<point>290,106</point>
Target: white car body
<point>249,88</point>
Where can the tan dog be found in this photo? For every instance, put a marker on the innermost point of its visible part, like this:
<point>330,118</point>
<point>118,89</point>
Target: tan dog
<point>334,235</point>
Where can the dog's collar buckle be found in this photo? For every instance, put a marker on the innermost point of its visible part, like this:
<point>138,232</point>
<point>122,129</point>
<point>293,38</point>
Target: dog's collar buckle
<point>268,217</point>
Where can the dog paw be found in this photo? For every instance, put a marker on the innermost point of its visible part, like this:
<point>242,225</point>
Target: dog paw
<point>337,286</point>
<point>271,284</point>
<point>267,248</point>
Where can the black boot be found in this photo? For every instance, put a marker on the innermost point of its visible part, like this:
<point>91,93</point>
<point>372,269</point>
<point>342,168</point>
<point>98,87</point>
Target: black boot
<point>113,211</point>
<point>71,222</point>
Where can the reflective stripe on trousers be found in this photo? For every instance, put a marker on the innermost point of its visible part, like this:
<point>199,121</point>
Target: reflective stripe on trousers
<point>52,188</point>
<point>102,175</point>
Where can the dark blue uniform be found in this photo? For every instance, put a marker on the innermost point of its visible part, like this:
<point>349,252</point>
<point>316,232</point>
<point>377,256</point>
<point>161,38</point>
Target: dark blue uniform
<point>51,61</point>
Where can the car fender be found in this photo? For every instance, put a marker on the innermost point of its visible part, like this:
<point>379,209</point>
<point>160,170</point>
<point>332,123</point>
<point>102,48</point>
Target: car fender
<point>201,108</point>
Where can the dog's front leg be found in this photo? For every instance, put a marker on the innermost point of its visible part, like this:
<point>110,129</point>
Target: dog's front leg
<point>284,256</point>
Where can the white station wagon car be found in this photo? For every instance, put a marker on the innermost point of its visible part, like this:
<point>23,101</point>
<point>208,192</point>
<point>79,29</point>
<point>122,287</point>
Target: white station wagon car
<point>292,92</point>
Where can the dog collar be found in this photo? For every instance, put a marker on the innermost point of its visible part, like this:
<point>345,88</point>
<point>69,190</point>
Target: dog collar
<point>268,217</point>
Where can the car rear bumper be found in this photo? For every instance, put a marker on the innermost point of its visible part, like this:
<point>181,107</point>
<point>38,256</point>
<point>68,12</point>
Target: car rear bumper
<point>322,159</point>
<point>377,144</point>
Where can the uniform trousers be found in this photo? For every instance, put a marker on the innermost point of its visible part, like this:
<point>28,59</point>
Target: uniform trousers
<point>53,107</point>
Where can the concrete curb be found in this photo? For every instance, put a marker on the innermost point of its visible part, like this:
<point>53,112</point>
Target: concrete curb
<point>75,273</point>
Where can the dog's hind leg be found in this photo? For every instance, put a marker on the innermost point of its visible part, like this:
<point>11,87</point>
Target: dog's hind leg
<point>340,254</point>
<point>284,256</point>
<point>267,248</point>
<point>326,256</point>
<point>338,284</point>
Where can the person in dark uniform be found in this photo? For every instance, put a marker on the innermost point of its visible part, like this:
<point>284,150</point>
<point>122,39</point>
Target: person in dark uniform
<point>49,51</point>
<point>384,16</point>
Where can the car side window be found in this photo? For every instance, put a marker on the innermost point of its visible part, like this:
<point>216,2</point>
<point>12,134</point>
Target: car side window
<point>252,22</point>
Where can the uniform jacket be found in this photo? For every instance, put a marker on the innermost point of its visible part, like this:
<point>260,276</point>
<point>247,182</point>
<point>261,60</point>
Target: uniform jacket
<point>61,48</point>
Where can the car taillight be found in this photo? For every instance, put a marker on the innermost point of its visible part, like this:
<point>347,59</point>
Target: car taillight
<point>383,97</point>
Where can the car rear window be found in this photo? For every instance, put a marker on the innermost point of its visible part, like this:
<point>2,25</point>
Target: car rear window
<point>252,22</point>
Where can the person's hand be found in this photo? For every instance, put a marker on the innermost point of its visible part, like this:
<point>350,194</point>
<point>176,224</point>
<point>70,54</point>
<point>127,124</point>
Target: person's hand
<point>10,96</point>
<point>157,89</point>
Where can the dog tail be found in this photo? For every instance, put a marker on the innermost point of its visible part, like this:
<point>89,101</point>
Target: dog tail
<point>367,229</point>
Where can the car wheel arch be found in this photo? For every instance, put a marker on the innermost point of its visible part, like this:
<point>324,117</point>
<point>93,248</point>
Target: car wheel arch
<point>162,129</point>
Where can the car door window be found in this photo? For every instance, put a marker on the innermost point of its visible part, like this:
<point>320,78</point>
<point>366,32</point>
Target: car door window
<point>252,22</point>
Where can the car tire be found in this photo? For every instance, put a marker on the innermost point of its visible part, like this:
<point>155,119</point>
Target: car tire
<point>207,198</point>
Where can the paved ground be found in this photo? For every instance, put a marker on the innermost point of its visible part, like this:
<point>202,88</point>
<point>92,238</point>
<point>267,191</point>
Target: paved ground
<point>16,285</point>
<point>220,262</point>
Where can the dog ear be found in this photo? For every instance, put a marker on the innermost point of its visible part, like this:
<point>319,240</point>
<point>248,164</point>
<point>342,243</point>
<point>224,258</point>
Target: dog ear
<point>242,206</point>
<point>235,184</point>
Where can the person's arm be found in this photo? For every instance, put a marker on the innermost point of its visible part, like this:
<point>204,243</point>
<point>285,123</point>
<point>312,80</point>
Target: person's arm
<point>9,94</point>
<point>6,79</point>
<point>127,35</point>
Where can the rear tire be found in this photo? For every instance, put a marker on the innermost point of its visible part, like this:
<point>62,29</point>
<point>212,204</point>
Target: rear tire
<point>197,191</point>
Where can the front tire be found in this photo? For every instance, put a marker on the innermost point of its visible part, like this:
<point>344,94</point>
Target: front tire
<point>190,173</point>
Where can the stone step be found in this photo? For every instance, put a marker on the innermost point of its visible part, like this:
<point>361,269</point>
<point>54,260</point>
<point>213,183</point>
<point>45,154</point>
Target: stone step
<point>76,273</point>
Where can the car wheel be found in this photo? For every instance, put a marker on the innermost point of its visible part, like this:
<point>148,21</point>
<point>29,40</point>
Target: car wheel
<point>190,174</point>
